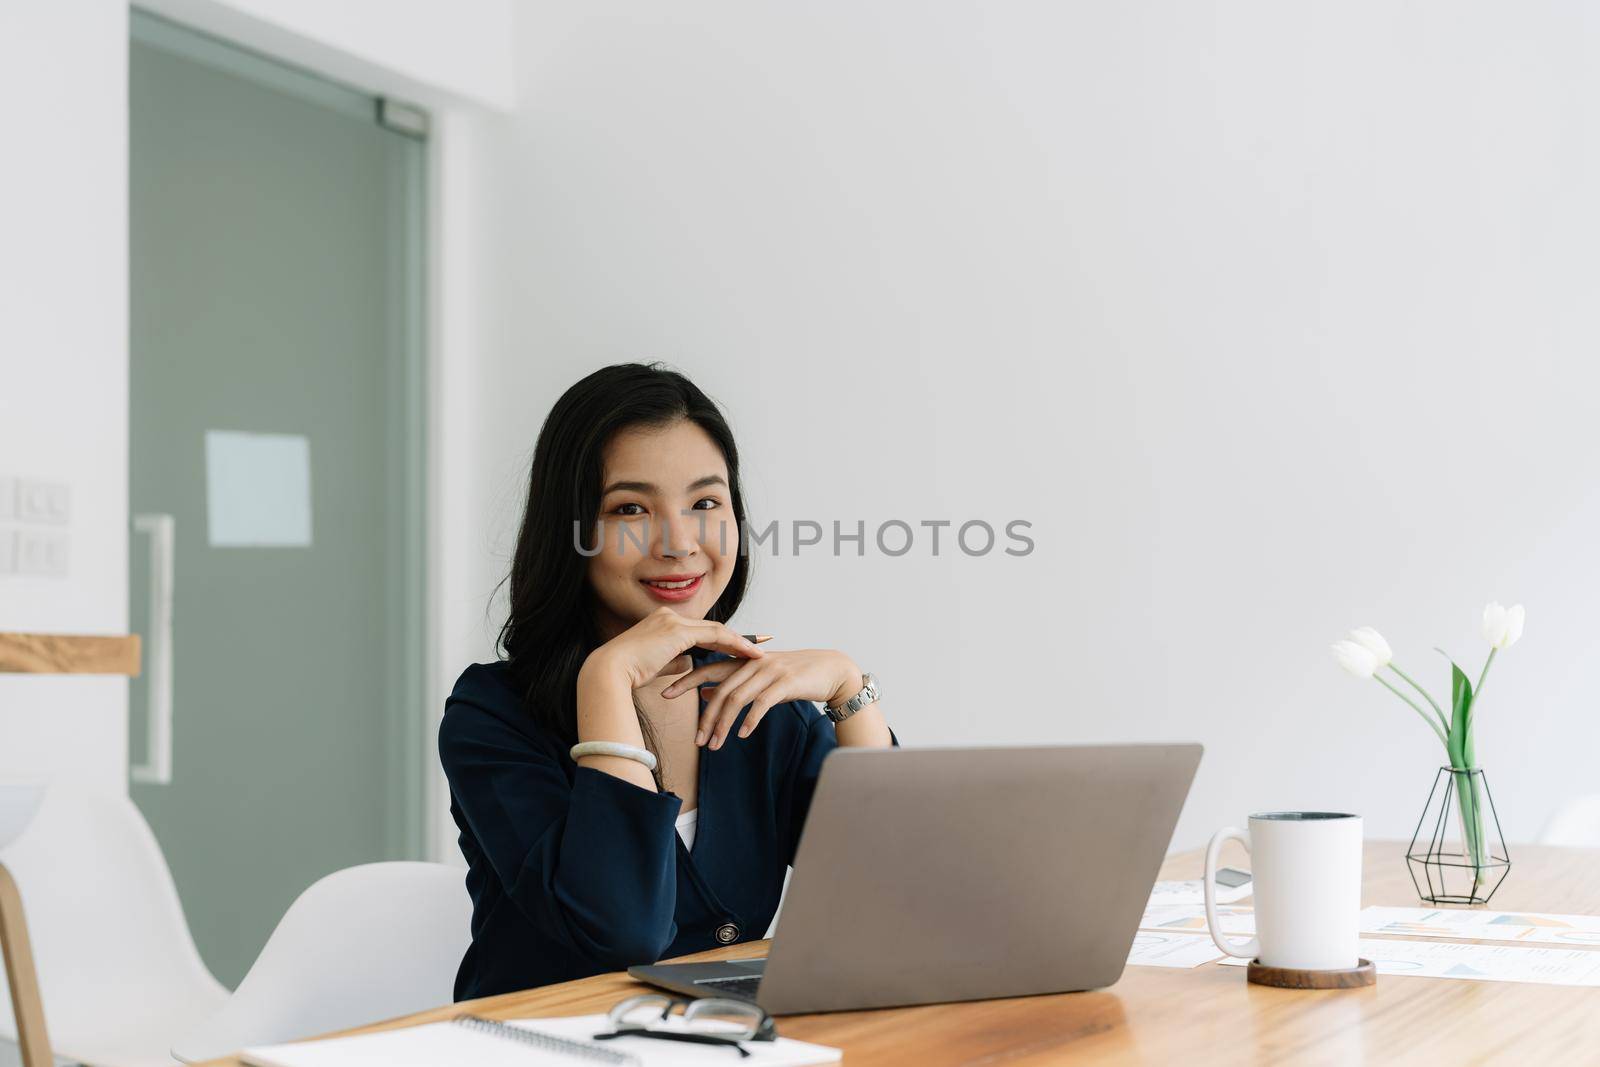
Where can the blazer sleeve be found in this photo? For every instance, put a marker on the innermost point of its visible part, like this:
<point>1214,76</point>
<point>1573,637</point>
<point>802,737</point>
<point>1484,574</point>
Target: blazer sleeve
<point>592,864</point>
<point>818,739</point>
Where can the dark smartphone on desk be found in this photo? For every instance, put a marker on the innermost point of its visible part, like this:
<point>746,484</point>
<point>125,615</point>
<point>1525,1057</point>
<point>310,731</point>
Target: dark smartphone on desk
<point>1232,877</point>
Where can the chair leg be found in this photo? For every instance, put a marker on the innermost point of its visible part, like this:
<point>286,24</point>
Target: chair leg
<point>24,980</point>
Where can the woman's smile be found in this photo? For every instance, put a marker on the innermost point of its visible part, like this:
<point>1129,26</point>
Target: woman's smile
<point>673,588</point>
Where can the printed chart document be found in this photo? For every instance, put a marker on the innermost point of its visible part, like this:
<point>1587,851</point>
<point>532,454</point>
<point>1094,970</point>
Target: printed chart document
<point>1194,892</point>
<point>1480,963</point>
<point>1153,949</point>
<point>1483,925</point>
<point>1191,918</point>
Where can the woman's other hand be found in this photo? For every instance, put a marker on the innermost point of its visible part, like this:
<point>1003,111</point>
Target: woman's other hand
<point>816,674</point>
<point>649,646</point>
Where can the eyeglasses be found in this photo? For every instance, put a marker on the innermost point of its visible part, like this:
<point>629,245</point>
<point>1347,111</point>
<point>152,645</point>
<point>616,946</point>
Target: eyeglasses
<point>707,1021</point>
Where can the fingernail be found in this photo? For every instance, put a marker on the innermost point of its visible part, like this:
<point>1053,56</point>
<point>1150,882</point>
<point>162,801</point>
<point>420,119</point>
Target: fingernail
<point>716,742</point>
<point>744,731</point>
<point>699,736</point>
<point>667,691</point>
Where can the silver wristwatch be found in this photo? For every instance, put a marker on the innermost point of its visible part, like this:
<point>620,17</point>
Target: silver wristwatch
<point>869,693</point>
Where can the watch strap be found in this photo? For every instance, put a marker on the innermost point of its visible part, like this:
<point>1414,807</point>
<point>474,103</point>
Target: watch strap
<point>869,693</point>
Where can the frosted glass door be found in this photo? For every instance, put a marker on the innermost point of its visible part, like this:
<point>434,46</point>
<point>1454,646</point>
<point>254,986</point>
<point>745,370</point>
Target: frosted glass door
<point>275,416</point>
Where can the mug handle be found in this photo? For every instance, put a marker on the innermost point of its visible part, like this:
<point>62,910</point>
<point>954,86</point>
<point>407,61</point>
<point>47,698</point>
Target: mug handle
<point>1248,949</point>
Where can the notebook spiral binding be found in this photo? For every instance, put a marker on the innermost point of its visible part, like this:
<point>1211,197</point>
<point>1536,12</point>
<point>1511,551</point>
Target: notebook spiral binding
<point>548,1042</point>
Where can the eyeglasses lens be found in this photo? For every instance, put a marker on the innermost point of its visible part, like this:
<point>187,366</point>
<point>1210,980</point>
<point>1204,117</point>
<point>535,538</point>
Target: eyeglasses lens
<point>723,1018</point>
<point>640,1011</point>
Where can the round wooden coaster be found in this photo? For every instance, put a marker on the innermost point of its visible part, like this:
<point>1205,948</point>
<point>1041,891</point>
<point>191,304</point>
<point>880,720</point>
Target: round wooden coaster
<point>1363,973</point>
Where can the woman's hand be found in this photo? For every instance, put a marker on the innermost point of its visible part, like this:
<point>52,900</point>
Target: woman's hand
<point>649,646</point>
<point>807,674</point>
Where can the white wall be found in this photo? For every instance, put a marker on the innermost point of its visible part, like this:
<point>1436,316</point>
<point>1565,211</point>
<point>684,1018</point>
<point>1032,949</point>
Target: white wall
<point>64,366</point>
<point>471,349</point>
<point>63,301</point>
<point>1273,319</point>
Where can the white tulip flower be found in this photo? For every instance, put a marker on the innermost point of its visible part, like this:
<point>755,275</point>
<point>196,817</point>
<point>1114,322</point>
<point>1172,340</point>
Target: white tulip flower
<point>1502,626</point>
<point>1373,642</point>
<point>1357,659</point>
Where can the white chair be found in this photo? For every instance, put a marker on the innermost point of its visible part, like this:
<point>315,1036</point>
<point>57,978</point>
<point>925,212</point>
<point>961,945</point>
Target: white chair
<point>118,971</point>
<point>1577,822</point>
<point>363,944</point>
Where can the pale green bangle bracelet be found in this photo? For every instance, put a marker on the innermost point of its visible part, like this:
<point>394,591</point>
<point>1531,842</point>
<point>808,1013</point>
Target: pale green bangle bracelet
<point>614,748</point>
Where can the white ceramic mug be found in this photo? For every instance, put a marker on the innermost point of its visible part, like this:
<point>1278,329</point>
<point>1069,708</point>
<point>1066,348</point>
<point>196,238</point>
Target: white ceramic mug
<point>1306,869</point>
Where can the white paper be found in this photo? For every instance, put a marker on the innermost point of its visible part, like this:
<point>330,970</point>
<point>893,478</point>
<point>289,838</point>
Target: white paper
<point>1194,892</point>
<point>1479,963</point>
<point>258,490</point>
<point>1526,926</point>
<point>654,1052</point>
<point>1151,949</point>
<point>434,1044</point>
<point>1191,918</point>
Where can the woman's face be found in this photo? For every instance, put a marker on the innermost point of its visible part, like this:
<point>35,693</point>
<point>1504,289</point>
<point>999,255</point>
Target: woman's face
<point>666,489</point>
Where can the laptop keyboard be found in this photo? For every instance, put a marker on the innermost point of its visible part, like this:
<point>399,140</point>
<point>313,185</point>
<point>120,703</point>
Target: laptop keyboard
<point>737,988</point>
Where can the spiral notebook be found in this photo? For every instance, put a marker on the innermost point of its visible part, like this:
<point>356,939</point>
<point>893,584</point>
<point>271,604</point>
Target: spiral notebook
<point>566,1042</point>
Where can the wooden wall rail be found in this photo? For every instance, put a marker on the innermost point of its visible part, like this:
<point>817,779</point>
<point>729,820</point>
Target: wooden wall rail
<point>69,654</point>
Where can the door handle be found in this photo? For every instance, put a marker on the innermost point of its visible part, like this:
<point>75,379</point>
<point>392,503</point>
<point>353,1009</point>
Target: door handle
<point>157,766</point>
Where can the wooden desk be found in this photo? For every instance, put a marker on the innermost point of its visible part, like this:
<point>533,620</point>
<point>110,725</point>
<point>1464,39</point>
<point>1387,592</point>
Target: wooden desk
<point>1208,1015</point>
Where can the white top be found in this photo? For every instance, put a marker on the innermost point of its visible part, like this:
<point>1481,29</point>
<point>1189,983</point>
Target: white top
<point>686,823</point>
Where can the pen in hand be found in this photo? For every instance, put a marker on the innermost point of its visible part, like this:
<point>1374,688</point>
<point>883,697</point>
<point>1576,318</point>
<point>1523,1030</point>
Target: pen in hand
<point>754,639</point>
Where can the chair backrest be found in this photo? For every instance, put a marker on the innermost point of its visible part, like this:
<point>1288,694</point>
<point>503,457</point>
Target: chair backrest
<point>19,802</point>
<point>115,958</point>
<point>363,944</point>
<point>1577,822</point>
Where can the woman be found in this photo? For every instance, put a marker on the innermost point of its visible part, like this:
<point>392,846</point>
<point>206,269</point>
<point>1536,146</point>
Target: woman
<point>627,567</point>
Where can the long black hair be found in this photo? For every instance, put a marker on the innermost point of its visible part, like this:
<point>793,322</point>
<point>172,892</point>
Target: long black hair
<point>551,626</point>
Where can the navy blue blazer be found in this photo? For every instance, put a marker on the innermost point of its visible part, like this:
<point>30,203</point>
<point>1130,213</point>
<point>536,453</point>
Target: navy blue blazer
<point>575,872</point>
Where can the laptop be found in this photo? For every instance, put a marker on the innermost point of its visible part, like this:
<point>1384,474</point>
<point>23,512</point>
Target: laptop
<point>930,875</point>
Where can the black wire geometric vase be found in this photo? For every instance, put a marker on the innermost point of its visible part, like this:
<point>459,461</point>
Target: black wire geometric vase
<point>1467,869</point>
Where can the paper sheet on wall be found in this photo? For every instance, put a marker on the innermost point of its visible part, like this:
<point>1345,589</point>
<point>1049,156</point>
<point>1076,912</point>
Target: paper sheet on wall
<point>258,490</point>
<point>1152,949</point>
<point>1479,963</point>
<point>1526,926</point>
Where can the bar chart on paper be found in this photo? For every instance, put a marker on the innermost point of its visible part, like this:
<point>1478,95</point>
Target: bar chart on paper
<point>1480,963</point>
<point>1181,950</point>
<point>1483,925</point>
<point>1189,918</point>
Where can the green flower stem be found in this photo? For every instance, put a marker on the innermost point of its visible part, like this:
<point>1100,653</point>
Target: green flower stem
<point>1444,720</point>
<point>1417,708</point>
<point>1478,692</point>
<point>1482,856</point>
<point>1473,795</point>
<point>1469,795</point>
